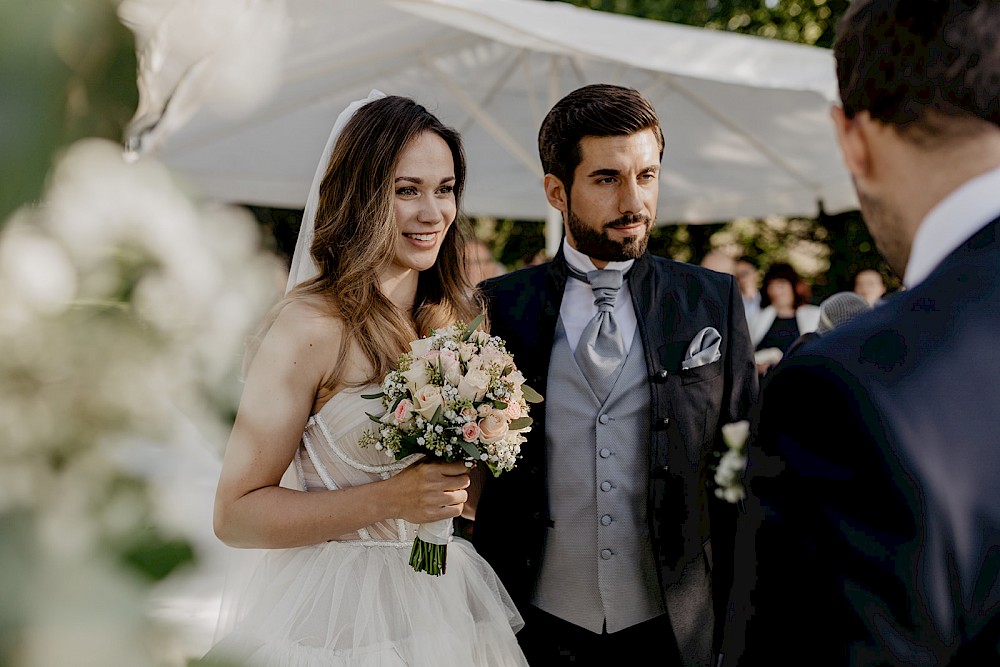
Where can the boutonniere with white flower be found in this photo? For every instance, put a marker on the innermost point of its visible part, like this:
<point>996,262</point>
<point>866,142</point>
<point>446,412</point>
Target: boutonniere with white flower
<point>729,472</point>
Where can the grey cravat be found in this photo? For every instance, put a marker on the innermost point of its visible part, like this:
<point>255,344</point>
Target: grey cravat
<point>600,352</point>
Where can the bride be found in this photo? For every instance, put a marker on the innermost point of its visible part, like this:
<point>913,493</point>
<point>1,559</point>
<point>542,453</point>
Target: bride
<point>378,262</point>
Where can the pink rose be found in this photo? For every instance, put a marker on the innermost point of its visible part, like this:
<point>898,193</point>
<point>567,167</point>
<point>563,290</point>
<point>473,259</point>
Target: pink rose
<point>403,411</point>
<point>513,410</point>
<point>470,414</point>
<point>493,426</point>
<point>470,432</point>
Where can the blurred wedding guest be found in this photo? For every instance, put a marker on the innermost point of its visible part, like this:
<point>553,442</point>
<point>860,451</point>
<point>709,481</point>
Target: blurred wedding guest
<point>540,256</point>
<point>748,279</point>
<point>870,284</point>
<point>785,315</point>
<point>479,262</point>
<point>872,526</point>
<point>719,261</point>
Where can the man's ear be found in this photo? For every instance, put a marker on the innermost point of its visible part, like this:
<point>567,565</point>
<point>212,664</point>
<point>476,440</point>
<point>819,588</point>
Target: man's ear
<point>854,140</point>
<point>556,193</point>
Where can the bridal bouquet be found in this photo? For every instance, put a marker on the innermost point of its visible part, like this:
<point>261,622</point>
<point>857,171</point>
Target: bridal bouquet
<point>455,396</point>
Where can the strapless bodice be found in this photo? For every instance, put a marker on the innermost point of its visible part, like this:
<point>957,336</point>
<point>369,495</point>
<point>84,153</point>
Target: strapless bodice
<point>329,456</point>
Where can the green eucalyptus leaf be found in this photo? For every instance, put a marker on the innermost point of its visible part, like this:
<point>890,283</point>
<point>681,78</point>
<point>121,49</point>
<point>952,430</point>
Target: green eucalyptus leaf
<point>470,448</point>
<point>530,395</point>
<point>520,422</point>
<point>473,326</point>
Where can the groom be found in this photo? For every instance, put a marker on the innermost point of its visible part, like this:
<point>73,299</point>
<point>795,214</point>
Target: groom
<point>607,533</point>
<point>875,491</point>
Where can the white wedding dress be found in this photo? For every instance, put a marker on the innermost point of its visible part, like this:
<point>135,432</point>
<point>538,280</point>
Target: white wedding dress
<point>356,601</point>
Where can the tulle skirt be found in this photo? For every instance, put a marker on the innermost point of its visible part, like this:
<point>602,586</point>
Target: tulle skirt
<point>340,604</point>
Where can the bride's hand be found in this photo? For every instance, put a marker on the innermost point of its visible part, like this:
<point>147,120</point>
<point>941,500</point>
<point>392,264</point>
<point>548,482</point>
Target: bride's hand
<point>426,492</point>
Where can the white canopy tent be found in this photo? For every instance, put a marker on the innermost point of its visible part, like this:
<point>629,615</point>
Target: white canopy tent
<point>745,119</point>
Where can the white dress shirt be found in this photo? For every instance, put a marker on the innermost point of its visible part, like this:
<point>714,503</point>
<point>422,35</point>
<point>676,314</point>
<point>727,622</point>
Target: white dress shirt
<point>951,222</point>
<point>578,300</point>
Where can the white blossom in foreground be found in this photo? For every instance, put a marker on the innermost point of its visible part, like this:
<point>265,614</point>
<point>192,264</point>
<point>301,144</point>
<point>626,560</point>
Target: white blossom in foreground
<point>124,305</point>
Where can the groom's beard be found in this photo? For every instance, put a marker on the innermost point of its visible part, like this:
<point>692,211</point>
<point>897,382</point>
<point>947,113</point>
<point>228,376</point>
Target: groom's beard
<point>599,245</point>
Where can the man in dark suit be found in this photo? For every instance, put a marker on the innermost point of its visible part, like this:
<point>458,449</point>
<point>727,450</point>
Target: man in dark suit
<point>874,509</point>
<point>607,532</point>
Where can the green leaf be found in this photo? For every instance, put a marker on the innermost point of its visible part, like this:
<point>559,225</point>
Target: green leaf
<point>378,395</point>
<point>530,395</point>
<point>470,449</point>
<point>473,325</point>
<point>436,419</point>
<point>520,422</point>
<point>377,420</point>
<point>155,557</point>
<point>499,405</point>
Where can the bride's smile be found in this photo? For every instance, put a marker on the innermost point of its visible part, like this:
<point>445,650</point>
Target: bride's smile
<point>424,201</point>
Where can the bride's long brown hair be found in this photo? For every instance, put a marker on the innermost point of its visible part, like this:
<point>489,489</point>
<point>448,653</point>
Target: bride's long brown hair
<point>355,239</point>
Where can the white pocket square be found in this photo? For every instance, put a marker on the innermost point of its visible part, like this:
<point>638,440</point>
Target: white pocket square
<point>704,349</point>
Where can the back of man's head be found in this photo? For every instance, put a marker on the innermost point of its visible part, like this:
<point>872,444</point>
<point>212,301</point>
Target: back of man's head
<point>597,110</point>
<point>930,68</point>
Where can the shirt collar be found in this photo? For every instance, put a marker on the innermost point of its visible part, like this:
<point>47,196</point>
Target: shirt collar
<point>582,262</point>
<point>951,222</point>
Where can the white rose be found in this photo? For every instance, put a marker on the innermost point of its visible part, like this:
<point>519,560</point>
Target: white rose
<point>515,378</point>
<point>479,337</point>
<point>420,348</point>
<point>735,434</point>
<point>416,376</point>
<point>474,385</point>
<point>451,367</point>
<point>465,351</point>
<point>426,400</point>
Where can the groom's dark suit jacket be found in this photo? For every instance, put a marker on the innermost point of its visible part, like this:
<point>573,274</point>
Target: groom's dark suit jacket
<point>874,481</point>
<point>673,302</point>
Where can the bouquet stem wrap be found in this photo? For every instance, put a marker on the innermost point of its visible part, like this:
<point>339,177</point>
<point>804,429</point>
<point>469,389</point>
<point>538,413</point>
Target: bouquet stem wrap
<point>430,548</point>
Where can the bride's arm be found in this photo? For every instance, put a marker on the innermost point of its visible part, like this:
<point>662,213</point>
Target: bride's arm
<point>251,509</point>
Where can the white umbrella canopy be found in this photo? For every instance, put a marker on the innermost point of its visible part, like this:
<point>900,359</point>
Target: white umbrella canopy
<point>745,119</point>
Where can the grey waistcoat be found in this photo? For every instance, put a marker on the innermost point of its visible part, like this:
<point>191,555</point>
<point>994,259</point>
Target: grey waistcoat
<point>598,562</point>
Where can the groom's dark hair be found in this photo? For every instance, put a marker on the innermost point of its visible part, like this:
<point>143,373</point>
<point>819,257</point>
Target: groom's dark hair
<point>929,68</point>
<point>598,110</point>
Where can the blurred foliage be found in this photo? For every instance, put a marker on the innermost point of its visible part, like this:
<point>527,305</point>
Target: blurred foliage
<point>67,71</point>
<point>804,21</point>
<point>104,339</point>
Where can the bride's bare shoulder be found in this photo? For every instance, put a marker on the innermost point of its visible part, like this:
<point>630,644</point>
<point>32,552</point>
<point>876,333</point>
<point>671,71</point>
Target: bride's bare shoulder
<point>308,325</point>
<point>309,312</point>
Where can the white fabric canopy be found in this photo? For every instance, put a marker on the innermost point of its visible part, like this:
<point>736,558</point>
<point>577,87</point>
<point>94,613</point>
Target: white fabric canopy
<point>745,119</point>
